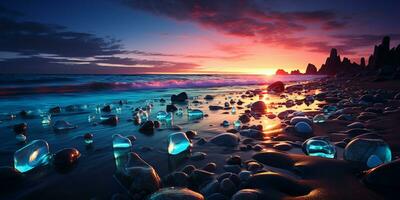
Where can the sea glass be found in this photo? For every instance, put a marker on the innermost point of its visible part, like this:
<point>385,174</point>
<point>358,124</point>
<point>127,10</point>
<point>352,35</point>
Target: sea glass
<point>233,110</point>
<point>161,115</point>
<point>371,152</point>
<point>195,114</point>
<point>319,147</point>
<point>178,143</point>
<point>329,109</point>
<point>237,124</point>
<point>320,118</point>
<point>121,145</point>
<point>144,116</point>
<point>32,155</point>
<point>46,120</point>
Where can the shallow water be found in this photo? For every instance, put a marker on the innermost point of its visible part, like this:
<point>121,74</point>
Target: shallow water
<point>93,176</point>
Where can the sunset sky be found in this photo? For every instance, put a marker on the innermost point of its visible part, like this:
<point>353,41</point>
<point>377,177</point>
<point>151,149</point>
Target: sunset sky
<point>212,36</point>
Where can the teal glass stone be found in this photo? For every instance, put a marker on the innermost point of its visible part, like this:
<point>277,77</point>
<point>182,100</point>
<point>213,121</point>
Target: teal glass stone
<point>120,141</point>
<point>319,147</point>
<point>237,124</point>
<point>161,115</point>
<point>178,143</point>
<point>195,114</point>
<point>329,109</point>
<point>371,152</point>
<point>121,145</point>
<point>320,118</point>
<point>233,110</point>
<point>34,154</point>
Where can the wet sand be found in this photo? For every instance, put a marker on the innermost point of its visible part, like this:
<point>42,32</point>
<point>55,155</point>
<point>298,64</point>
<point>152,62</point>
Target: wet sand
<point>285,174</point>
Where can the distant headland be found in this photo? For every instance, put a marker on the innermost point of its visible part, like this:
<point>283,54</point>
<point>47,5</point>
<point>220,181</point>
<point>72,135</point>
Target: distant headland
<point>384,62</point>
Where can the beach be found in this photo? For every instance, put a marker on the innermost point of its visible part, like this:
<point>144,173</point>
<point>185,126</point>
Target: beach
<point>266,162</point>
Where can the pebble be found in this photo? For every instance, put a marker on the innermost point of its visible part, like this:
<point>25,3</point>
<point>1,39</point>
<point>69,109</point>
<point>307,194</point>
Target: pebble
<point>197,156</point>
<point>225,139</point>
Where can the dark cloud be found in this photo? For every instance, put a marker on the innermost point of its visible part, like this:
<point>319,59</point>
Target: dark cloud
<point>52,49</point>
<point>233,54</point>
<point>349,44</point>
<point>49,65</point>
<point>5,12</point>
<point>241,18</point>
<point>32,38</point>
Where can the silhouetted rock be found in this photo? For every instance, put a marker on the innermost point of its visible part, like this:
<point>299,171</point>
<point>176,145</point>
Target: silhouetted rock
<point>295,72</point>
<point>311,69</point>
<point>362,62</point>
<point>181,97</point>
<point>281,72</point>
<point>277,87</point>
<point>334,65</point>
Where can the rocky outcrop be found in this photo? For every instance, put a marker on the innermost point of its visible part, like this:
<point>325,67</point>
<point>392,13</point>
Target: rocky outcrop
<point>295,72</point>
<point>334,65</point>
<point>281,72</point>
<point>311,69</point>
<point>384,59</point>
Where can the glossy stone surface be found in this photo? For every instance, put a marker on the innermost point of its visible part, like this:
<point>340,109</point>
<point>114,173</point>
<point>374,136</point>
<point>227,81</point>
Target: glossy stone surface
<point>121,145</point>
<point>320,147</point>
<point>31,156</point>
<point>320,118</point>
<point>371,152</point>
<point>161,115</point>
<point>177,143</point>
<point>195,114</point>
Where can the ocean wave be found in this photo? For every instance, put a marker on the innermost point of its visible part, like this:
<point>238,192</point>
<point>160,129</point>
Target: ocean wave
<point>142,85</point>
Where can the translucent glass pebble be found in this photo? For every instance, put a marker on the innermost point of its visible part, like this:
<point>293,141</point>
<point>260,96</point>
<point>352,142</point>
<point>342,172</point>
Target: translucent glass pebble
<point>319,147</point>
<point>233,111</point>
<point>31,156</point>
<point>195,114</point>
<point>20,137</point>
<point>329,109</point>
<point>237,124</point>
<point>178,143</point>
<point>225,123</point>
<point>120,141</point>
<point>121,145</point>
<point>320,118</point>
<point>371,152</point>
<point>46,119</point>
<point>161,115</point>
<point>144,116</point>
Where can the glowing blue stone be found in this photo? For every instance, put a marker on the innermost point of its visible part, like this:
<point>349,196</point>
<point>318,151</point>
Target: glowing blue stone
<point>178,143</point>
<point>122,145</point>
<point>319,147</point>
<point>233,111</point>
<point>32,155</point>
<point>144,116</point>
<point>169,118</point>
<point>120,141</point>
<point>329,109</point>
<point>371,152</point>
<point>237,124</point>
<point>195,114</point>
<point>161,115</point>
<point>320,118</point>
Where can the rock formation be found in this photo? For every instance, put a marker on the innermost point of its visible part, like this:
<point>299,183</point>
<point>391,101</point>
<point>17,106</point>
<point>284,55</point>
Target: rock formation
<point>311,69</point>
<point>281,72</point>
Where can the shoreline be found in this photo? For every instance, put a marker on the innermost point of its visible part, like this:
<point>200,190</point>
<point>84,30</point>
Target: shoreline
<point>272,167</point>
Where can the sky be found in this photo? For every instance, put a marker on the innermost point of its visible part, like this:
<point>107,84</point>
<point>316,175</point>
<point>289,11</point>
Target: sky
<point>184,36</point>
